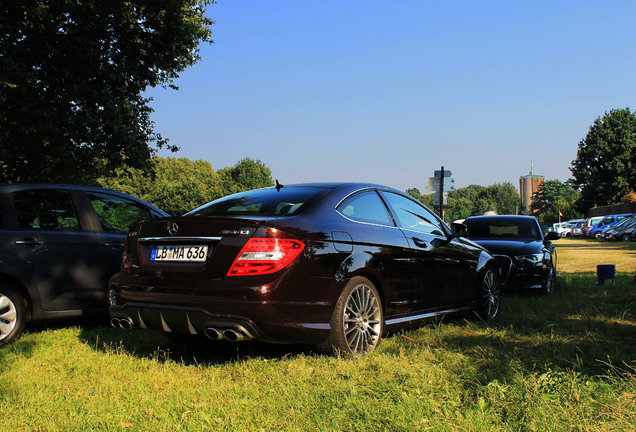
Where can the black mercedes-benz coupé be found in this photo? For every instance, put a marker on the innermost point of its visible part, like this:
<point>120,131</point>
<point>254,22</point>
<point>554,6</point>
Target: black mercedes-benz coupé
<point>336,264</point>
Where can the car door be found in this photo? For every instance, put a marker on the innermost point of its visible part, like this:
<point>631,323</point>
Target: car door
<point>442,266</point>
<point>48,242</point>
<point>115,214</point>
<point>381,245</point>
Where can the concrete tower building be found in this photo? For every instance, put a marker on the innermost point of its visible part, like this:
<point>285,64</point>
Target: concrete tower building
<point>528,186</point>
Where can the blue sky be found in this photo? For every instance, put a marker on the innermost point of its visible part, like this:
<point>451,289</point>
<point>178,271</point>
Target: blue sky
<point>389,91</point>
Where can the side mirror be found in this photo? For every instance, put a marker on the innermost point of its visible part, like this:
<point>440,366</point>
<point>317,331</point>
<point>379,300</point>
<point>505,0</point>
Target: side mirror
<point>552,236</point>
<point>459,229</point>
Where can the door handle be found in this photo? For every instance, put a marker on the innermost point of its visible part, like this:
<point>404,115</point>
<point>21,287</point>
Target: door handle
<point>29,242</point>
<point>116,244</point>
<point>419,242</point>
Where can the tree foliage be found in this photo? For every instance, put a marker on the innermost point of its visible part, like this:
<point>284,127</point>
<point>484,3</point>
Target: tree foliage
<point>605,165</point>
<point>474,200</point>
<point>245,175</point>
<point>180,185</point>
<point>553,197</point>
<point>427,200</point>
<point>72,76</point>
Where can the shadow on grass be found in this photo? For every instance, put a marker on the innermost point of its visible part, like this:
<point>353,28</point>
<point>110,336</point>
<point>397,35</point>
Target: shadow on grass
<point>584,327</point>
<point>192,351</point>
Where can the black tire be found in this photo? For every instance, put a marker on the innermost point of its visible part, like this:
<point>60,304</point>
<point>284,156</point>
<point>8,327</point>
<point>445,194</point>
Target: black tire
<point>598,235</point>
<point>626,237</point>
<point>13,315</point>
<point>550,283</point>
<point>489,294</point>
<point>357,321</point>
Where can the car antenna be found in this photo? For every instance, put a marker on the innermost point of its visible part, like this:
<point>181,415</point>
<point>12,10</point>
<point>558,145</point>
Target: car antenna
<point>279,186</point>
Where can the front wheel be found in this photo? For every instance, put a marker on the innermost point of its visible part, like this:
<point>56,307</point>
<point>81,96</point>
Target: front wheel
<point>13,313</point>
<point>489,294</point>
<point>550,282</point>
<point>357,321</point>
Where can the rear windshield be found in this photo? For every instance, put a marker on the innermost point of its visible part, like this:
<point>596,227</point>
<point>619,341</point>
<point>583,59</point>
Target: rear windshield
<point>261,202</point>
<point>494,228</point>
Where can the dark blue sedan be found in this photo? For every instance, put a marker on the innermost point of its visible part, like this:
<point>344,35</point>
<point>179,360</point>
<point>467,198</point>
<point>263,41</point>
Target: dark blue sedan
<point>526,258</point>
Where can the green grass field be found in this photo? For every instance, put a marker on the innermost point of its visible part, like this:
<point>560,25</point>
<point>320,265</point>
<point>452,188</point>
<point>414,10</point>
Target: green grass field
<point>562,363</point>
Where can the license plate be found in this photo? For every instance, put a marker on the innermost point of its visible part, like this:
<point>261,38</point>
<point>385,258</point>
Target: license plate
<point>179,253</point>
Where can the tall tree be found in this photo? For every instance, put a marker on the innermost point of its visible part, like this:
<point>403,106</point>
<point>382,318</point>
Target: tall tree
<point>245,175</point>
<point>176,186</point>
<point>180,185</point>
<point>72,74</point>
<point>554,197</point>
<point>502,197</point>
<point>605,164</point>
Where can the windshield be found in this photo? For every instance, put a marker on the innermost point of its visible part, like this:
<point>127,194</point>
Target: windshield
<point>260,202</point>
<point>497,228</point>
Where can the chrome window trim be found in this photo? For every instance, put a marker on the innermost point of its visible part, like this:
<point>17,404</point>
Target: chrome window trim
<point>357,191</point>
<point>178,239</point>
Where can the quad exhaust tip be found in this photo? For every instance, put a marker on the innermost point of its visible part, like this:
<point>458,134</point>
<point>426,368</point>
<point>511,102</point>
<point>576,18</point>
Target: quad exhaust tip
<point>213,333</point>
<point>123,323</point>
<point>232,335</point>
<point>229,334</point>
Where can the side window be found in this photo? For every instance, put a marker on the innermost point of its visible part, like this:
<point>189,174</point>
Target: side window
<point>116,214</point>
<point>366,207</point>
<point>411,215</point>
<point>50,210</point>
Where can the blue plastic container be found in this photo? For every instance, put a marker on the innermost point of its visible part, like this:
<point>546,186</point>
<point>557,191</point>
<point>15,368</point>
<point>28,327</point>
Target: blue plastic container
<point>605,272</point>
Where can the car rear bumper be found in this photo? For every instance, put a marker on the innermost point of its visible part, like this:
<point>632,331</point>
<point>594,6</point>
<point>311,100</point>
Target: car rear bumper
<point>270,315</point>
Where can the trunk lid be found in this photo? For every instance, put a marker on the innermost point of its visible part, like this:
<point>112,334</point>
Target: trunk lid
<point>193,247</point>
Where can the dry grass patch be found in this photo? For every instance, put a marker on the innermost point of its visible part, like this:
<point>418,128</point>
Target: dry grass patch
<point>583,255</point>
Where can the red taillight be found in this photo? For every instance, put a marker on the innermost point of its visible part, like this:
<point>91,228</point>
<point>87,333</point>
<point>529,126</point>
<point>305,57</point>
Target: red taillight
<point>126,260</point>
<point>265,255</point>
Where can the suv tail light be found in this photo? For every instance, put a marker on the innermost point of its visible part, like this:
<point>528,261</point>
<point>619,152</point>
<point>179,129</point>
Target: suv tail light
<point>265,255</point>
<point>126,260</point>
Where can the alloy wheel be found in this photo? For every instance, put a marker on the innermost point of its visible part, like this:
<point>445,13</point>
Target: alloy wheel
<point>490,294</point>
<point>362,320</point>
<point>551,282</point>
<point>8,316</point>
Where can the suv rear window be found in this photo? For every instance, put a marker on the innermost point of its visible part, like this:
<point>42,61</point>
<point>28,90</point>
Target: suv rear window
<point>261,202</point>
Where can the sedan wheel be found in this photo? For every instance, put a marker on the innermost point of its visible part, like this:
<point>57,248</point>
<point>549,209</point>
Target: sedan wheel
<point>357,321</point>
<point>550,283</point>
<point>489,294</point>
<point>12,315</point>
<point>626,237</point>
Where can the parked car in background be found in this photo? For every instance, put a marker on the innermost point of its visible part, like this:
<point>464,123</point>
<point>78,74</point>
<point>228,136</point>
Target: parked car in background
<point>576,225</point>
<point>589,223</point>
<point>527,259</point>
<point>332,264</point>
<point>621,231</point>
<point>59,245</point>
<point>560,228</point>
<point>596,231</point>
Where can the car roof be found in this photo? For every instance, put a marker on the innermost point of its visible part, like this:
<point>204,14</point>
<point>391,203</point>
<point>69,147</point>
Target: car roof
<point>15,187</point>
<point>342,187</point>
<point>511,217</point>
<point>27,186</point>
